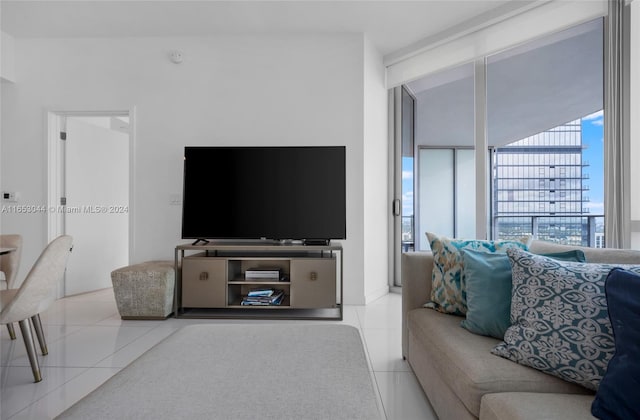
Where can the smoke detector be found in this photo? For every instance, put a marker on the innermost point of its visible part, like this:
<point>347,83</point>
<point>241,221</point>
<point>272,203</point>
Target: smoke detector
<point>176,57</point>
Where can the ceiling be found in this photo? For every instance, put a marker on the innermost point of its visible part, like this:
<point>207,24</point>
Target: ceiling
<point>390,25</point>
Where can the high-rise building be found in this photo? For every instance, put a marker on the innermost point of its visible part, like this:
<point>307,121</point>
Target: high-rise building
<point>540,187</point>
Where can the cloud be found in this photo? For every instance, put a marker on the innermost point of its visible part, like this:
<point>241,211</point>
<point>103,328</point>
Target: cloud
<point>407,203</point>
<point>407,175</point>
<point>595,207</point>
<point>599,114</point>
<point>592,204</point>
<point>597,118</point>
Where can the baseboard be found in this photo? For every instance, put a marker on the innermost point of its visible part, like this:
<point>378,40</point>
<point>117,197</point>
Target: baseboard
<point>376,294</point>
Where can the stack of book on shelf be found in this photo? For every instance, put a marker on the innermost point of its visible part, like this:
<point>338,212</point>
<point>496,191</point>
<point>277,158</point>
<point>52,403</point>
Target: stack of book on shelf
<point>263,297</point>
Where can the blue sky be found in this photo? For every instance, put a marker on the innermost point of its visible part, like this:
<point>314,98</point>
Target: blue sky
<point>407,186</point>
<point>592,139</point>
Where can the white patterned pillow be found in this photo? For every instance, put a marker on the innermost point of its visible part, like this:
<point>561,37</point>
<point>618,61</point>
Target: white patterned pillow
<point>448,291</point>
<point>559,319</point>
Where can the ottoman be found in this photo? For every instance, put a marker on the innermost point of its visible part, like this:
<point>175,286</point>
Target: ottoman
<point>144,291</point>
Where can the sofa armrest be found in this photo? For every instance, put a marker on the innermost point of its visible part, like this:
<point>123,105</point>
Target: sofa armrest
<point>416,287</point>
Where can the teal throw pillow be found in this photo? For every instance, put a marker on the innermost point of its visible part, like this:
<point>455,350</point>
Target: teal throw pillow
<point>448,290</point>
<point>559,319</point>
<point>488,282</point>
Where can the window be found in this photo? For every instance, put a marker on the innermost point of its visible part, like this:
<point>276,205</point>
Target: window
<point>551,87</point>
<point>540,126</point>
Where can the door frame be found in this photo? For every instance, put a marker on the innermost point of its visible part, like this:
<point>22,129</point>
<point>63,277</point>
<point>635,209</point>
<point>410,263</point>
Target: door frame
<point>395,115</point>
<point>55,173</point>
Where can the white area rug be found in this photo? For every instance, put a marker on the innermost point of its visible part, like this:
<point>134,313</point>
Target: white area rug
<point>242,372</point>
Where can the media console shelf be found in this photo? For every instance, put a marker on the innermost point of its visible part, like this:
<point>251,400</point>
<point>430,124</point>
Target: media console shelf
<point>212,280</point>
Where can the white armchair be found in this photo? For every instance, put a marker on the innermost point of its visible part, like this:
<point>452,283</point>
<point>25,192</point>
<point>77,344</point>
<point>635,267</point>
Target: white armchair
<point>9,264</point>
<point>35,295</point>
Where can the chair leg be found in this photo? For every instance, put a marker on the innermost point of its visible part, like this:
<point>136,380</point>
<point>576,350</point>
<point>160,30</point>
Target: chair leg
<point>29,343</point>
<point>37,325</point>
<point>12,332</point>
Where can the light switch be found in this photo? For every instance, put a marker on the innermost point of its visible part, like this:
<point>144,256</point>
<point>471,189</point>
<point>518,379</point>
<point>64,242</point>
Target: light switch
<point>9,196</point>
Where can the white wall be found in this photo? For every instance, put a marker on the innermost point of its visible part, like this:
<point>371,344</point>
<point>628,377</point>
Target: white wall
<point>7,61</point>
<point>376,204</point>
<point>232,90</point>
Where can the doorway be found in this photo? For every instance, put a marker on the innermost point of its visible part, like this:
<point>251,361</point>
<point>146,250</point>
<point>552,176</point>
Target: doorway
<point>89,181</point>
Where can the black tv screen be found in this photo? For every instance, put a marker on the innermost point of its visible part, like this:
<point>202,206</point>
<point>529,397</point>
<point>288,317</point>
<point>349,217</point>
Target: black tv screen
<point>279,193</point>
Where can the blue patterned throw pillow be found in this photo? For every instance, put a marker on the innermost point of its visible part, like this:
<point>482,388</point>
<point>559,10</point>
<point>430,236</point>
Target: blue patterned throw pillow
<point>559,318</point>
<point>448,291</point>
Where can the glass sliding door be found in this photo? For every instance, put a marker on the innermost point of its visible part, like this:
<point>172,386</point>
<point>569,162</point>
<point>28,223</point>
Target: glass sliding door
<point>465,193</point>
<point>544,108</point>
<point>436,192</point>
<point>444,137</point>
<point>407,207</point>
<point>539,110</point>
<point>446,192</point>
<point>402,104</point>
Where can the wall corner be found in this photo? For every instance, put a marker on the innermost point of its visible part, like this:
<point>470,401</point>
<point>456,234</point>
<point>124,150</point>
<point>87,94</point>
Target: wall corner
<point>7,58</point>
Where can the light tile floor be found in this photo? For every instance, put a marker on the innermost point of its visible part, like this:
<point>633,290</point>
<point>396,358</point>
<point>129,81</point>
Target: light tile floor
<point>89,343</point>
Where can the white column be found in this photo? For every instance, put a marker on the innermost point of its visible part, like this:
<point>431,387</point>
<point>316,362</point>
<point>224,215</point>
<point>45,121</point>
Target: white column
<point>480,123</point>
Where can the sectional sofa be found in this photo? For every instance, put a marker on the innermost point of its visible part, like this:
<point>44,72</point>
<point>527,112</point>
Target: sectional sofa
<point>461,377</point>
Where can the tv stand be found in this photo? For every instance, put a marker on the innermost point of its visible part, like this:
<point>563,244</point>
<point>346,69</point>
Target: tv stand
<point>197,241</point>
<point>212,280</point>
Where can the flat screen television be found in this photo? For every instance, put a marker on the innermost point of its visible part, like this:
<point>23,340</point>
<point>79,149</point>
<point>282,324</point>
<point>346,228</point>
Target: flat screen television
<point>278,193</point>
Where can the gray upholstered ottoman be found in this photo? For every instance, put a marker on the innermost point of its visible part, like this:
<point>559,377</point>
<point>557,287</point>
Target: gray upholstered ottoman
<point>144,291</point>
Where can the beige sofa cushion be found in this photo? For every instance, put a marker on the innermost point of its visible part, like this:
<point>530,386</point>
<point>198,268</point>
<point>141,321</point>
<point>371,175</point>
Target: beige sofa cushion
<point>535,406</point>
<point>466,365</point>
<point>593,255</point>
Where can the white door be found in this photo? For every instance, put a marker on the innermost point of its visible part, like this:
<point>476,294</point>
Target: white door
<point>97,201</point>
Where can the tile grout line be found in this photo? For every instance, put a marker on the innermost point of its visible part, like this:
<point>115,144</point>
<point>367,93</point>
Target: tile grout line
<point>60,386</point>
<point>370,363</point>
